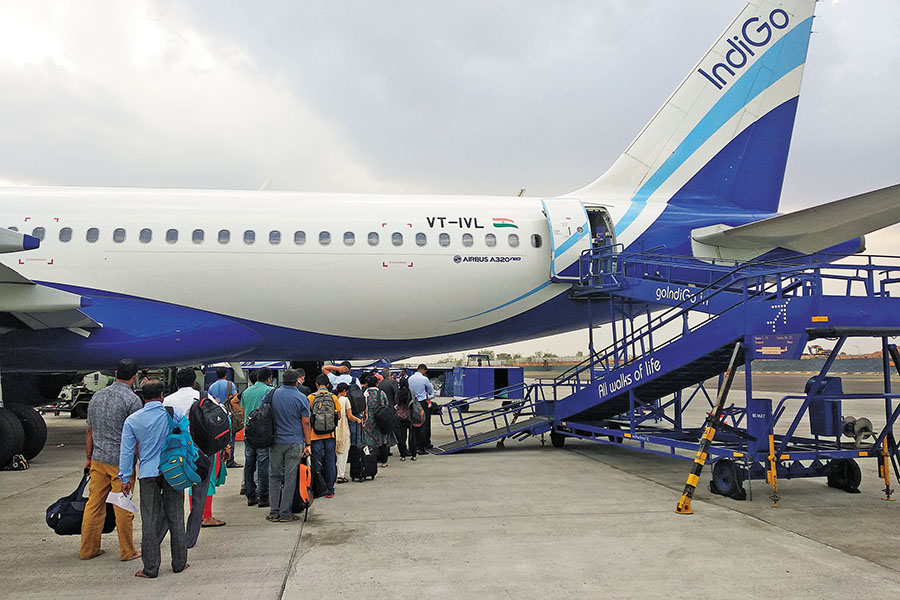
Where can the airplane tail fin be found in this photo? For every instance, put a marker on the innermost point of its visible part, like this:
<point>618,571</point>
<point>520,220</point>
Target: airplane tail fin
<point>722,138</point>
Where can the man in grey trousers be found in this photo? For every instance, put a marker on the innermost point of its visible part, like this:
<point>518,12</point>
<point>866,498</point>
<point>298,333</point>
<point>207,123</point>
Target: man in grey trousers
<point>161,506</point>
<point>292,434</point>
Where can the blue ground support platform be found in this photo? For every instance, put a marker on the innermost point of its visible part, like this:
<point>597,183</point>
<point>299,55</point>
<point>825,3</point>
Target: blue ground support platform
<point>676,322</point>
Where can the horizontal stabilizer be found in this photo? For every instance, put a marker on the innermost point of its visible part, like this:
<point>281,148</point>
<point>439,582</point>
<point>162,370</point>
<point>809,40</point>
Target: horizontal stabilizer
<point>809,230</point>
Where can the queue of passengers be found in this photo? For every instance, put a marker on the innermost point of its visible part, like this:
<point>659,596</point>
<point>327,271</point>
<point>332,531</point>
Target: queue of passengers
<point>126,430</point>
<point>355,402</point>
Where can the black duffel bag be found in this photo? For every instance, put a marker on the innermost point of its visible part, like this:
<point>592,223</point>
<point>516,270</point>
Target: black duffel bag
<point>65,515</point>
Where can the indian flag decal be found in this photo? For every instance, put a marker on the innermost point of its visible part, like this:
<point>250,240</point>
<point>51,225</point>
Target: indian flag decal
<point>502,222</point>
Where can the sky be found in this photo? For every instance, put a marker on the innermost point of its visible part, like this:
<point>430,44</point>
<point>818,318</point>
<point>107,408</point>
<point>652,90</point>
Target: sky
<point>462,96</point>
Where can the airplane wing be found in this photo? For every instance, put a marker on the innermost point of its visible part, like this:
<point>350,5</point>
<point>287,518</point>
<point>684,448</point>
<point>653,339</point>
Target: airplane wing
<point>809,230</point>
<point>36,306</point>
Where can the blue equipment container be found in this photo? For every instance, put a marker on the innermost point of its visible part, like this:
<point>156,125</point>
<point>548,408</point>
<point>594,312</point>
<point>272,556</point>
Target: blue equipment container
<point>824,413</point>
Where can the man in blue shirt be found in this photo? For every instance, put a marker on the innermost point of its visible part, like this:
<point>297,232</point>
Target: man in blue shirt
<point>292,436</point>
<point>421,387</point>
<point>147,429</point>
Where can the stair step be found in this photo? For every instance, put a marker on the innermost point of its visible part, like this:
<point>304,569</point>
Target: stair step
<point>514,429</point>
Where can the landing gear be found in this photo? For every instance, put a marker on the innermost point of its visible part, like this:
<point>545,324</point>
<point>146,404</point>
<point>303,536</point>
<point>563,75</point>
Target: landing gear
<point>33,426</point>
<point>557,439</point>
<point>727,480</point>
<point>12,437</point>
<point>844,474</point>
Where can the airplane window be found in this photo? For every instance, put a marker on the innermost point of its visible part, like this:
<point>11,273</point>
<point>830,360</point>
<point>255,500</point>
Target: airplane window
<point>444,239</point>
<point>373,238</point>
<point>397,238</point>
<point>467,239</point>
<point>145,236</point>
<point>536,240</point>
<point>197,236</point>
<point>172,236</point>
<point>513,240</point>
<point>118,235</point>
<point>92,235</point>
<point>349,238</point>
<point>299,237</point>
<point>13,228</point>
<point>65,234</point>
<point>274,237</point>
<point>324,238</point>
<point>249,237</point>
<point>421,239</point>
<point>39,232</point>
<point>491,240</point>
<point>224,236</point>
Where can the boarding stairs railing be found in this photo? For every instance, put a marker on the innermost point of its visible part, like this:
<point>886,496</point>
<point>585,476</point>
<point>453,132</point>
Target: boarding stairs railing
<point>741,298</point>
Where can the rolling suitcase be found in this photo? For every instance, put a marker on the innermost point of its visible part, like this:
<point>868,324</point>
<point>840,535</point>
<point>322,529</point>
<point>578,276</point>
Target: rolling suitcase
<point>303,495</point>
<point>363,463</point>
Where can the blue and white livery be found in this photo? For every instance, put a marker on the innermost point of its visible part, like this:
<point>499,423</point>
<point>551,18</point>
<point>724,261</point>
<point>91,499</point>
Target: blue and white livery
<point>187,276</point>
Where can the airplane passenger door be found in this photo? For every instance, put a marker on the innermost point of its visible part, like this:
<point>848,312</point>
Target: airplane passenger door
<point>570,235</point>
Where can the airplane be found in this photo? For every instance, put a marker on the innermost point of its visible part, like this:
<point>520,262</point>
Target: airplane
<point>92,275</point>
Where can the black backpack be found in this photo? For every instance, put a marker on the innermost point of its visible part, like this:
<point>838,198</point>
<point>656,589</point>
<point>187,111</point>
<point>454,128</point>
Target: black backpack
<point>65,515</point>
<point>210,425</point>
<point>357,400</point>
<point>385,417</point>
<point>259,429</point>
<point>322,412</point>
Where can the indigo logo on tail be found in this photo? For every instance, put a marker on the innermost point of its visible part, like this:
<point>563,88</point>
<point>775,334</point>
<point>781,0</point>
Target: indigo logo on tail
<point>753,35</point>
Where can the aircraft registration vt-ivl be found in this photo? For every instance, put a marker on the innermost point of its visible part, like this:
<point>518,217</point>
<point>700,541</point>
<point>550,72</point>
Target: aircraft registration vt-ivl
<point>90,276</point>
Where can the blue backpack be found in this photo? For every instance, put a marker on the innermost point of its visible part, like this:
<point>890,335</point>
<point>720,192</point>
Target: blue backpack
<point>178,459</point>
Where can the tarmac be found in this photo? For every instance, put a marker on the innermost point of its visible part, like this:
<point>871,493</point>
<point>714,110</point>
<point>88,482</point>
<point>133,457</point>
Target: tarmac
<point>525,521</point>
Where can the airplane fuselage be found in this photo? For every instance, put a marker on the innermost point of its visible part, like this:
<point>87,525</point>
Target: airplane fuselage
<point>274,274</point>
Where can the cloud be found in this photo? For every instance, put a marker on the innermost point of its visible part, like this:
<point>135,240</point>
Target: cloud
<point>125,94</point>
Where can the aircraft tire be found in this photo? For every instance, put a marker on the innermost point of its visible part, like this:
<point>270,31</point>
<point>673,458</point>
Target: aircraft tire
<point>557,439</point>
<point>80,411</point>
<point>844,474</point>
<point>727,480</point>
<point>33,426</point>
<point>12,437</point>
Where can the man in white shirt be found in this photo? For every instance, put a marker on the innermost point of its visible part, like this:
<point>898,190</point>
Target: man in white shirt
<point>182,400</point>
<point>340,374</point>
<point>421,387</point>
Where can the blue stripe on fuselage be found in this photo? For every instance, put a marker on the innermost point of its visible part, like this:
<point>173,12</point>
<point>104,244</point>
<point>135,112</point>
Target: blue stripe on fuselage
<point>160,334</point>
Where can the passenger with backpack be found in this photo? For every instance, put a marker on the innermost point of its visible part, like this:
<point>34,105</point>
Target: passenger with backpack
<point>405,429</point>
<point>149,433</point>
<point>225,392</point>
<point>325,413</point>
<point>292,433</point>
<point>371,435</point>
<point>209,428</point>
<point>256,459</point>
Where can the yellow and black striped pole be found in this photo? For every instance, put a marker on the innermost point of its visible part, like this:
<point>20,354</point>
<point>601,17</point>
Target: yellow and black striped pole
<point>712,421</point>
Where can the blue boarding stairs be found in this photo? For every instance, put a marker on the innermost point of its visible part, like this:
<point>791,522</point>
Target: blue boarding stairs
<point>697,320</point>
